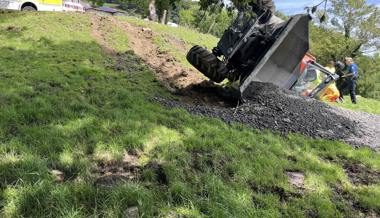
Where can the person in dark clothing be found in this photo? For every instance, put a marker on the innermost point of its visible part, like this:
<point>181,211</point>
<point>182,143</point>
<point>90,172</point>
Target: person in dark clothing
<point>263,5</point>
<point>351,78</point>
<point>266,9</point>
<point>339,68</point>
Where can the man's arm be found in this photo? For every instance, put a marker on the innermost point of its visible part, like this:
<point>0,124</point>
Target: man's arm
<point>348,75</point>
<point>352,72</point>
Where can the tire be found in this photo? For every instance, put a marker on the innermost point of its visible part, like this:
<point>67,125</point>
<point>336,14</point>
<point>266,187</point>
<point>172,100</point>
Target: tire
<point>29,8</point>
<point>207,63</point>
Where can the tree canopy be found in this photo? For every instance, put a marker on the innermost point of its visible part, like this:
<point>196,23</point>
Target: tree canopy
<point>358,20</point>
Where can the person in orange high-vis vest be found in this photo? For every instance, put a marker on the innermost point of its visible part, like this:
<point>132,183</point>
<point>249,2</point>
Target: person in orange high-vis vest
<point>331,93</point>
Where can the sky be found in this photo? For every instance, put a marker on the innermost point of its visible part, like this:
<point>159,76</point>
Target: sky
<point>290,7</point>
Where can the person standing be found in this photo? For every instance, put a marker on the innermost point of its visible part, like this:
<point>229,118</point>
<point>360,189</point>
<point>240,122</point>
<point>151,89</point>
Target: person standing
<point>351,78</point>
<point>331,92</point>
<point>339,68</point>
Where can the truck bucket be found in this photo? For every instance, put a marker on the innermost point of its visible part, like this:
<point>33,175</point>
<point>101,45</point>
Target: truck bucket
<point>281,64</point>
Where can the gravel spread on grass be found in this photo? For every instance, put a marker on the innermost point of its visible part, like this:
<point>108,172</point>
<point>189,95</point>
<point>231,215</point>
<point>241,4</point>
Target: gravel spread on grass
<point>280,111</point>
<point>368,126</point>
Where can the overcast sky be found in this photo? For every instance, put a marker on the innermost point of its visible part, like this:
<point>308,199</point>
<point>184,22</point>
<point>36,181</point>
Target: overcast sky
<point>290,7</point>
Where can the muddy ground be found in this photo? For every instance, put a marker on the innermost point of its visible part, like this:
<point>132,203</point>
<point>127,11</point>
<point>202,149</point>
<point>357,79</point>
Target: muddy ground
<point>269,107</point>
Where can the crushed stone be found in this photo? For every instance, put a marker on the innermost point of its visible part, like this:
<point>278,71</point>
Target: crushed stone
<point>280,111</point>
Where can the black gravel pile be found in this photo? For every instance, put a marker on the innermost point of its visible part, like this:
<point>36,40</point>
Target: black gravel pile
<point>281,111</point>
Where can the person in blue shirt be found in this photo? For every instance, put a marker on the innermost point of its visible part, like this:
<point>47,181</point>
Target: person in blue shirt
<point>351,78</point>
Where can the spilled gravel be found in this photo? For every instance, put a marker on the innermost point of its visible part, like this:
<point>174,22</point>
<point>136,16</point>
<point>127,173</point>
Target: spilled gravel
<point>281,111</point>
<point>368,126</point>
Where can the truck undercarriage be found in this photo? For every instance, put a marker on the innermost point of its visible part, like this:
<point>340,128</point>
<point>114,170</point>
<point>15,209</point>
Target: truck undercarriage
<point>251,52</point>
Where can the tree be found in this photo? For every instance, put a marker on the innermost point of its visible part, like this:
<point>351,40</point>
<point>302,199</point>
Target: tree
<point>369,82</point>
<point>327,44</point>
<point>359,20</point>
<point>164,9</point>
<point>152,11</point>
<point>205,4</point>
<point>185,13</point>
<point>140,7</point>
<point>214,23</point>
<point>97,2</point>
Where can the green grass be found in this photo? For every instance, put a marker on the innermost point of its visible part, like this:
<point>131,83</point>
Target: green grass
<point>364,104</point>
<point>182,35</point>
<point>62,107</point>
<point>111,5</point>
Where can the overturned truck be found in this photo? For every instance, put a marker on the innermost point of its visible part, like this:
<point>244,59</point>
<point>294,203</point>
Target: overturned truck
<point>251,52</point>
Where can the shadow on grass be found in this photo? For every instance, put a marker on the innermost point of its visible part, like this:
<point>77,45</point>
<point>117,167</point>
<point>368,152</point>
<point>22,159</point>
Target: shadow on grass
<point>54,97</point>
<point>60,103</point>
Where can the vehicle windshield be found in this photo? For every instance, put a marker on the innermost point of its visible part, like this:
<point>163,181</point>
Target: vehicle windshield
<point>309,80</point>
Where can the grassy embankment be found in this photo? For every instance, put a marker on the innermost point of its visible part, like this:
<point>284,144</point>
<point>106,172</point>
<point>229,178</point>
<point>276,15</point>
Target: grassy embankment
<point>190,38</point>
<point>62,107</point>
<point>364,104</point>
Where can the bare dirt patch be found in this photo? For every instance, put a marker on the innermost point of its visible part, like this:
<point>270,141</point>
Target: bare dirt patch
<point>182,81</point>
<point>97,22</point>
<point>276,190</point>
<point>59,176</point>
<point>177,43</point>
<point>349,206</point>
<point>359,174</point>
<point>167,68</point>
<point>297,179</point>
<point>126,61</point>
<point>111,173</point>
<point>14,29</point>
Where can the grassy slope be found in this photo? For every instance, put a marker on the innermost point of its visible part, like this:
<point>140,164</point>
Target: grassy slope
<point>187,36</point>
<point>191,38</point>
<point>62,108</point>
<point>364,104</point>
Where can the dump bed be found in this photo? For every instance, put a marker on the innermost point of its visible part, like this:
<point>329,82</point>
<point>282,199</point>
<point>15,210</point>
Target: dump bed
<point>281,64</point>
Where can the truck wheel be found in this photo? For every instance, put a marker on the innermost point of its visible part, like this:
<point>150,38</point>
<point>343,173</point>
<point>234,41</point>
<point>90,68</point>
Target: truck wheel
<point>29,8</point>
<point>207,63</point>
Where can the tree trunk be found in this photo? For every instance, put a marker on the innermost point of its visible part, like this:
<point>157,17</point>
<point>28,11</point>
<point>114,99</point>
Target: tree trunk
<point>347,31</point>
<point>211,26</point>
<point>163,17</point>
<point>152,10</point>
<point>355,52</point>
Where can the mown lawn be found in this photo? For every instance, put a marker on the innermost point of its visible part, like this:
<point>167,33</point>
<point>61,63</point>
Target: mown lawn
<point>64,107</point>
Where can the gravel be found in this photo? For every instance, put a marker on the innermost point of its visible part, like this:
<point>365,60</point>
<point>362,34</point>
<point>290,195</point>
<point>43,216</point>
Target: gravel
<point>282,111</point>
<point>368,127</point>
